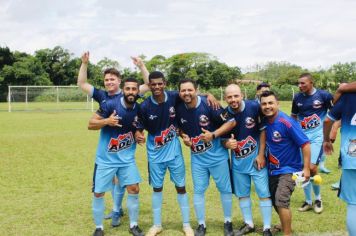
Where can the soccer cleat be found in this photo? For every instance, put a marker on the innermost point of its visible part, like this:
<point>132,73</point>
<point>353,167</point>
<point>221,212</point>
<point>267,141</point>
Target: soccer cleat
<point>324,170</point>
<point>154,230</point>
<point>245,229</point>
<point>305,207</point>
<point>115,219</point>
<point>200,231</point>
<point>98,232</point>
<point>188,231</point>
<point>335,186</point>
<point>318,206</point>
<point>228,231</point>
<point>136,231</point>
<point>109,215</point>
<point>267,232</point>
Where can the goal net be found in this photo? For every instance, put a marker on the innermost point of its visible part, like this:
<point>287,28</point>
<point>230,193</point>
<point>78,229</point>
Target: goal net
<point>47,98</point>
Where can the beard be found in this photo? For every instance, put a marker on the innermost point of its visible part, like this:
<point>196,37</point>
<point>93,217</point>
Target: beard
<point>130,99</point>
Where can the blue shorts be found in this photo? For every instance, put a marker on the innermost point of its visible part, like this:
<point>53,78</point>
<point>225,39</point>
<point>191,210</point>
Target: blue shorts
<point>176,167</point>
<point>219,172</point>
<point>347,190</point>
<point>103,177</point>
<point>242,183</point>
<point>316,149</point>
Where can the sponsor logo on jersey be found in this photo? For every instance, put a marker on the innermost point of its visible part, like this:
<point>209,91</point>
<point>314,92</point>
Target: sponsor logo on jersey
<point>299,104</point>
<point>152,117</point>
<point>276,137</point>
<point>123,141</point>
<point>352,148</point>
<point>317,104</point>
<point>245,147</point>
<point>250,122</point>
<point>310,122</point>
<point>204,120</point>
<point>166,136</point>
<point>224,116</point>
<point>172,112</point>
<point>273,160</point>
<point>199,146</point>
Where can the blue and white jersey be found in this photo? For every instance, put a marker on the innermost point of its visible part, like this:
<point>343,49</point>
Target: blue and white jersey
<point>116,147</point>
<point>159,119</point>
<point>191,121</point>
<point>284,138</point>
<point>247,135</point>
<point>345,109</point>
<point>311,111</point>
<point>101,96</point>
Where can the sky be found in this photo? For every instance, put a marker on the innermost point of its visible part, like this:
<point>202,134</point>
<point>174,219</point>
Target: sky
<point>310,33</point>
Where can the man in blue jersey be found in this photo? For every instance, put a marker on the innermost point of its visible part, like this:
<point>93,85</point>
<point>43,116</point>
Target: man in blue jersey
<point>260,89</point>
<point>201,129</point>
<point>158,117</point>
<point>345,110</point>
<point>284,139</point>
<point>112,80</point>
<point>115,154</point>
<point>247,144</point>
<point>309,108</point>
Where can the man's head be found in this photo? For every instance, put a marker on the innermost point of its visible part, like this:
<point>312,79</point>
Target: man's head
<point>233,96</point>
<point>188,90</point>
<point>112,80</point>
<point>269,104</point>
<point>305,83</point>
<point>157,83</point>
<point>131,90</point>
<point>261,88</point>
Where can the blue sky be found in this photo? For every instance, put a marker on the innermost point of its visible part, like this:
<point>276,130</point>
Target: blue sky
<point>309,33</point>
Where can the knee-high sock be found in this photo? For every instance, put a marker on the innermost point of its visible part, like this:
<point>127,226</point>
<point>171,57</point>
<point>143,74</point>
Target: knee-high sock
<point>266,212</point>
<point>226,201</point>
<point>98,207</point>
<point>350,219</point>
<point>245,206</point>
<point>119,193</point>
<point>133,208</point>
<point>157,208</point>
<point>308,193</point>
<point>184,207</point>
<point>199,206</point>
<point>316,189</point>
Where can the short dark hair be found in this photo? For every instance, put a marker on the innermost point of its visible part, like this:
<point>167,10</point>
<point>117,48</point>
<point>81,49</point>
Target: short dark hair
<point>131,79</point>
<point>267,94</point>
<point>112,71</point>
<point>263,85</point>
<point>308,75</point>
<point>188,80</point>
<point>156,75</point>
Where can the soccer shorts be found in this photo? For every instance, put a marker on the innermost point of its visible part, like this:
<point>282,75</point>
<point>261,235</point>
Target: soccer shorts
<point>103,176</point>
<point>316,150</point>
<point>219,172</point>
<point>176,167</point>
<point>347,191</point>
<point>242,183</point>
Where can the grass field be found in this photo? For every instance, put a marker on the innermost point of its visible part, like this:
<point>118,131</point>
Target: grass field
<point>46,165</point>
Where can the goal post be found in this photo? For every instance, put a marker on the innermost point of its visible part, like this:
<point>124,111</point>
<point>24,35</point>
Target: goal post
<point>47,98</point>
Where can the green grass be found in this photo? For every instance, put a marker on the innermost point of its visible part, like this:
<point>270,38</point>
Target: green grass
<point>46,165</point>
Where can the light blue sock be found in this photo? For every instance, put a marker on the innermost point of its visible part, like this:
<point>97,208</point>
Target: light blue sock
<point>184,207</point>
<point>98,211</point>
<point>316,189</point>
<point>199,206</point>
<point>266,212</point>
<point>133,208</point>
<point>118,197</point>
<point>157,208</point>
<point>226,200</point>
<point>350,219</point>
<point>245,206</point>
<point>308,193</point>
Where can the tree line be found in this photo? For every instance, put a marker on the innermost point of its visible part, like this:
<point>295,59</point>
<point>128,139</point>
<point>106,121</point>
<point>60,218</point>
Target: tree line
<point>58,66</point>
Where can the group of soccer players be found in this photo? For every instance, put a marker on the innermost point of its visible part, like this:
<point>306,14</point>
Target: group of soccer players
<point>210,131</point>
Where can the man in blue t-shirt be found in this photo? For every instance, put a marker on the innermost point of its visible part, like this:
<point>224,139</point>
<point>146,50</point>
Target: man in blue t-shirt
<point>345,110</point>
<point>112,81</point>
<point>200,127</point>
<point>309,108</point>
<point>284,139</point>
<point>115,154</point>
<point>247,144</point>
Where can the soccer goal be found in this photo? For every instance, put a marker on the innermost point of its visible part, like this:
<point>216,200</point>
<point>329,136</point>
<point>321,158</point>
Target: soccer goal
<point>47,98</point>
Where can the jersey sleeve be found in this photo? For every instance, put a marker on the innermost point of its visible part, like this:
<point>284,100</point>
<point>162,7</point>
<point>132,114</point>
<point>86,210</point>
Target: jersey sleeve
<point>328,100</point>
<point>336,111</point>
<point>98,95</point>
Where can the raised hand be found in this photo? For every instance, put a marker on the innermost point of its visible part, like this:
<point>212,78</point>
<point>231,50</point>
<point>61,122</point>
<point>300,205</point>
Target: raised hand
<point>137,61</point>
<point>85,57</point>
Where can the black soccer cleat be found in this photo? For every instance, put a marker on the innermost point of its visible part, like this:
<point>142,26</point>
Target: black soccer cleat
<point>98,232</point>
<point>228,231</point>
<point>200,231</point>
<point>136,231</point>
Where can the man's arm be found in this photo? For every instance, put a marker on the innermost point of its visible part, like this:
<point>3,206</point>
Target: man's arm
<point>306,158</point>
<point>83,74</point>
<point>207,136</point>
<point>261,160</point>
<point>139,63</point>
<point>344,88</point>
<point>327,144</point>
<point>97,122</point>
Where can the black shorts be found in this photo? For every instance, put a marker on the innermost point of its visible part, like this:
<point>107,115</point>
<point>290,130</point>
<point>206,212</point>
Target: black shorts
<point>281,188</point>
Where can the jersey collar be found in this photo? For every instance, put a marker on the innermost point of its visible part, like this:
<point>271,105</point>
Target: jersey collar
<point>124,105</point>
<point>243,105</point>
<point>165,98</point>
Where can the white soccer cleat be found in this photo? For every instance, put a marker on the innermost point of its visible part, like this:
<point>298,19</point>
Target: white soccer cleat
<point>154,230</point>
<point>188,231</point>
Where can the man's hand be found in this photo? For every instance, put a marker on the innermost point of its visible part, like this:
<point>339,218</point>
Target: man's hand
<point>137,61</point>
<point>85,58</point>
<point>212,101</point>
<point>306,174</point>
<point>261,162</point>
<point>328,148</point>
<point>186,140</point>
<point>231,143</point>
<point>140,137</point>
<point>206,136</point>
<point>113,120</point>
